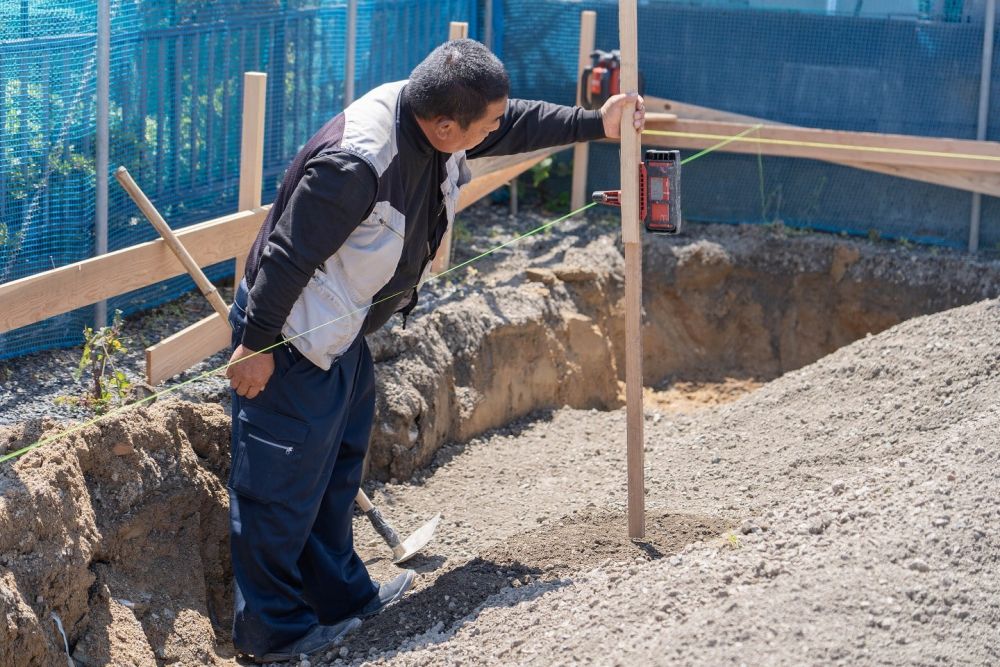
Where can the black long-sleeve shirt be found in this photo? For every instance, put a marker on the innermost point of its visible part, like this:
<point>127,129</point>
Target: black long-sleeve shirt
<point>337,192</point>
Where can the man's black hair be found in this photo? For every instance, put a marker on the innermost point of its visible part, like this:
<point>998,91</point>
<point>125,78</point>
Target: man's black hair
<point>457,80</point>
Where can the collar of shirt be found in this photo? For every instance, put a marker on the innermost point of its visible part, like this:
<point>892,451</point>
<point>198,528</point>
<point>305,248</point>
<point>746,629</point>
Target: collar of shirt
<point>409,134</point>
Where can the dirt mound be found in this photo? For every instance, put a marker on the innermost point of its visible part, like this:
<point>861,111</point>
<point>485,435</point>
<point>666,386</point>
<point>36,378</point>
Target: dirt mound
<point>863,490</point>
<point>120,531</point>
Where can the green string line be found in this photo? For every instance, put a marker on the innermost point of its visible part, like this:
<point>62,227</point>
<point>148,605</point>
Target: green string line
<point>716,146</point>
<point>79,427</point>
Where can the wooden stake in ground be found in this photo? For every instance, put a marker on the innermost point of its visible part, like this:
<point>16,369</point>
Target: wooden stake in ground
<point>581,151</point>
<point>456,30</point>
<point>251,151</point>
<point>631,149</point>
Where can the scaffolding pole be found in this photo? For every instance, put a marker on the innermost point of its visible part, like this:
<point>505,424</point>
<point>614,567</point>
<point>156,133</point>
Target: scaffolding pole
<point>101,158</point>
<point>352,45</point>
<point>989,27</point>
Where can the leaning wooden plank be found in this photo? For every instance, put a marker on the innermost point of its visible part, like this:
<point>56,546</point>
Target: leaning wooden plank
<point>982,182</point>
<point>833,145</point>
<point>61,290</point>
<point>973,181</point>
<point>186,348</point>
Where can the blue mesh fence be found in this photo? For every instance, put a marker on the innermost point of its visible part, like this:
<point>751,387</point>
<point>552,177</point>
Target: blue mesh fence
<point>175,108</point>
<point>876,67</point>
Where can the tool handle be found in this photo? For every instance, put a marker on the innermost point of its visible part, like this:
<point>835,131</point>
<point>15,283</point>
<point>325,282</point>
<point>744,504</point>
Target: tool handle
<point>383,528</point>
<point>364,504</point>
<point>154,217</point>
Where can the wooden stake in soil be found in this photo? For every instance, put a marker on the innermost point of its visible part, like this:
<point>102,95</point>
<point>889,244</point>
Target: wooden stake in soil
<point>456,30</point>
<point>630,157</point>
<point>251,151</point>
<point>581,151</point>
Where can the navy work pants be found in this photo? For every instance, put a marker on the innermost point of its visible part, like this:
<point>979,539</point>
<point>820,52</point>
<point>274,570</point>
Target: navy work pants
<point>297,452</point>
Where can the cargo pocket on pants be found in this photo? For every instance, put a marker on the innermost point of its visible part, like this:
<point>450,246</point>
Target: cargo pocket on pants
<point>268,455</point>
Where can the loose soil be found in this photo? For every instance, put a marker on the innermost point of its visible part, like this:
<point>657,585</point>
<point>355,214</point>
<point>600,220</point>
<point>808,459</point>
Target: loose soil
<point>842,513</point>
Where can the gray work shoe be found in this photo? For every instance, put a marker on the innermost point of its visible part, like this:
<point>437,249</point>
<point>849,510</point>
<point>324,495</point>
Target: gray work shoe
<point>388,593</point>
<point>320,638</point>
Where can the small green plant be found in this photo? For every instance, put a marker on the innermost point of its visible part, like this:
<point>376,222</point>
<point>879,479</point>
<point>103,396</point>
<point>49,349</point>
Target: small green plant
<point>733,541</point>
<point>557,204</point>
<point>905,242</point>
<point>101,347</point>
<point>460,234</point>
<point>540,174</point>
<point>874,235</point>
<point>541,171</point>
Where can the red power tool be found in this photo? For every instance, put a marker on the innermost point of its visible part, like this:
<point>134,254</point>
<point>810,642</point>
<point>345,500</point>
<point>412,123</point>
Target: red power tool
<point>659,192</point>
<point>602,79</point>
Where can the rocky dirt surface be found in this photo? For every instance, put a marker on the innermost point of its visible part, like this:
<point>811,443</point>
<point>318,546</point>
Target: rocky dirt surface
<point>119,531</point>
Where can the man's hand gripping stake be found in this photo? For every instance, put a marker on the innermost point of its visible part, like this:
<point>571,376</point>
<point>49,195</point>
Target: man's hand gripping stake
<point>402,550</point>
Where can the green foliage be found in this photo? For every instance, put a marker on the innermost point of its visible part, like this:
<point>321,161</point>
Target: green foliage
<point>109,385</point>
<point>874,235</point>
<point>460,233</point>
<point>541,171</point>
<point>540,175</point>
<point>733,541</point>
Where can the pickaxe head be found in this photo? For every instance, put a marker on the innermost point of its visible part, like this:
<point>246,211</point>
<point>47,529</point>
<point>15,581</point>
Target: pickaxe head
<point>409,547</point>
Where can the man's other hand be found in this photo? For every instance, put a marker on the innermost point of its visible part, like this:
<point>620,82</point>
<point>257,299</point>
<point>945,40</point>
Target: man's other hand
<point>249,376</point>
<point>611,114</point>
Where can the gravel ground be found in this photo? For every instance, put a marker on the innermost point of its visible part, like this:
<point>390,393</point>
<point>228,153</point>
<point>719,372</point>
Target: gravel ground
<point>862,491</point>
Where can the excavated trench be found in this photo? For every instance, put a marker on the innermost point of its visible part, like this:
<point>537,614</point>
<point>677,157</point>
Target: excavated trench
<point>121,529</point>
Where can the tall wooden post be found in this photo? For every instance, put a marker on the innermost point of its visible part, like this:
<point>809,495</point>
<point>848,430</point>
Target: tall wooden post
<point>581,151</point>
<point>630,157</point>
<point>251,150</point>
<point>456,30</point>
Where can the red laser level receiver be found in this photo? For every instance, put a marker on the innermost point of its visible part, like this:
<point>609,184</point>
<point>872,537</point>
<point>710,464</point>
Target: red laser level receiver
<point>659,192</point>
<point>602,79</point>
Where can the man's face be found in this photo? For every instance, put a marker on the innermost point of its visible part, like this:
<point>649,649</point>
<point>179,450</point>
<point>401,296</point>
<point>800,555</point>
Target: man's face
<point>448,136</point>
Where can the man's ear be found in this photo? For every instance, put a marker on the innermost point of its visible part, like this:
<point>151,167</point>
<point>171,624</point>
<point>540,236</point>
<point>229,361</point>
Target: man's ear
<point>444,128</point>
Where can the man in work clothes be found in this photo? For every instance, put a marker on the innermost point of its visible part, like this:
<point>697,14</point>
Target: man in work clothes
<point>359,216</point>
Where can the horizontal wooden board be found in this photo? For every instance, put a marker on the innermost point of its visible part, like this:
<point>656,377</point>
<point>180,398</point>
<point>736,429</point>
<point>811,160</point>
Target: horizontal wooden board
<point>982,182</point>
<point>185,348</point>
<point>831,145</point>
<point>43,295</point>
<point>492,173</point>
